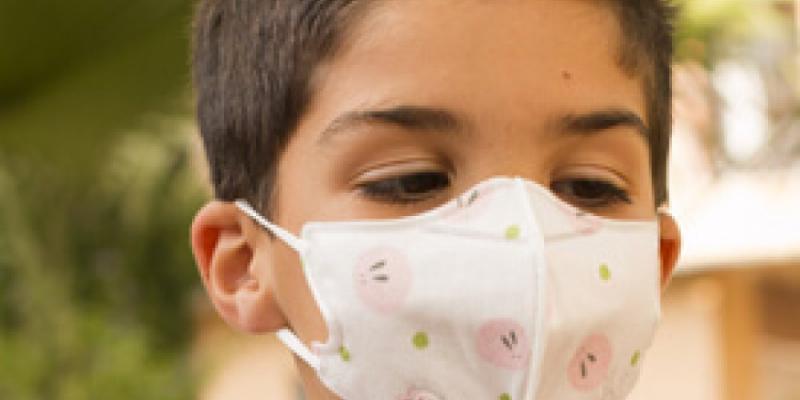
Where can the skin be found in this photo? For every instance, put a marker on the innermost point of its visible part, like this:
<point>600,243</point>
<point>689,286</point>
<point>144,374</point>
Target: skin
<point>481,89</point>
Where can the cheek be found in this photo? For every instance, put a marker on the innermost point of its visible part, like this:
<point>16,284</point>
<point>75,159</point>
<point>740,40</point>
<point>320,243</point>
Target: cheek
<point>302,193</point>
<point>303,188</point>
<point>293,296</point>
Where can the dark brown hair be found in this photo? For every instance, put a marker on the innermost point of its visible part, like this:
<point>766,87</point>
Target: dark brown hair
<point>253,61</point>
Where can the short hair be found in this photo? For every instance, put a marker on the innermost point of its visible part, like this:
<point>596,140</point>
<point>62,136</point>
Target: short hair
<point>253,61</point>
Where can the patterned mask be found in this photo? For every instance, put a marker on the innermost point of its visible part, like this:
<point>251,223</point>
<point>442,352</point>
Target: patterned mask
<point>504,293</point>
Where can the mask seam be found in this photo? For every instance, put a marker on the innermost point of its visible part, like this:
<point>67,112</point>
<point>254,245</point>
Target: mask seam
<point>536,249</point>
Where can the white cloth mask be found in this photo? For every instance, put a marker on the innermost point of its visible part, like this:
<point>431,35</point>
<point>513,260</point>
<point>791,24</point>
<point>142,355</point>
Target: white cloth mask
<point>505,293</point>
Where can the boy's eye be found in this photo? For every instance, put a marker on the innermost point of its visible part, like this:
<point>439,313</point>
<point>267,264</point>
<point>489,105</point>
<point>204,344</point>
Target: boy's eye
<point>407,188</point>
<point>590,193</point>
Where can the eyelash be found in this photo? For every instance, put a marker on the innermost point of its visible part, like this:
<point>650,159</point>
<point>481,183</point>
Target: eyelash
<point>584,192</point>
<point>608,194</point>
<point>389,190</point>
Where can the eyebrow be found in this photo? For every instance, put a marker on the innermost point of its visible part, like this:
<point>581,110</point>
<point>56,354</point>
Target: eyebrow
<point>597,121</point>
<point>426,119</point>
<point>411,118</point>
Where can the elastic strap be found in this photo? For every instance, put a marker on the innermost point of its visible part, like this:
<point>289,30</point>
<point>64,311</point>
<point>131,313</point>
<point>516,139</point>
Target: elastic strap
<point>289,339</point>
<point>290,239</point>
<point>296,346</point>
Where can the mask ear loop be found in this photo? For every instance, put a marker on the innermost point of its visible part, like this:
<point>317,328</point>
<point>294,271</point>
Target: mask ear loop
<point>284,335</point>
<point>287,237</point>
<point>299,348</point>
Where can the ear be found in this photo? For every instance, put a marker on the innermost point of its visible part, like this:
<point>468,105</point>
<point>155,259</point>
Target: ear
<point>234,258</point>
<point>669,245</point>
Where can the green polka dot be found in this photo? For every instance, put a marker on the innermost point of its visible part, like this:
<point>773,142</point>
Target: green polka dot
<point>344,354</point>
<point>605,272</point>
<point>512,232</point>
<point>420,340</point>
<point>635,358</point>
<point>504,396</point>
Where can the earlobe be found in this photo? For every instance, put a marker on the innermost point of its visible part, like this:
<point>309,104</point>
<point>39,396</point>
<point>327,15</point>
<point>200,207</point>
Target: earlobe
<point>233,258</point>
<point>669,245</point>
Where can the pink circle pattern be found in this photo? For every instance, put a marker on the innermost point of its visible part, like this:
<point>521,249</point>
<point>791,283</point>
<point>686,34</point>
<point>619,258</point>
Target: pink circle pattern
<point>383,279</point>
<point>504,343</point>
<point>589,366</point>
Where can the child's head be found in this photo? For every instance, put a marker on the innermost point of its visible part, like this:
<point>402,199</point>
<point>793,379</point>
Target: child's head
<point>345,109</point>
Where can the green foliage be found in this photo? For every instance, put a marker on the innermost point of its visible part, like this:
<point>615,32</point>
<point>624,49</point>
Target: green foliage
<point>96,277</point>
<point>75,75</point>
<point>96,281</point>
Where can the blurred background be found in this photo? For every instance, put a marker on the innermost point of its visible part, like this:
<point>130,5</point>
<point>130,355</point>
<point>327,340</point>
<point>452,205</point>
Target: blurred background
<point>101,172</point>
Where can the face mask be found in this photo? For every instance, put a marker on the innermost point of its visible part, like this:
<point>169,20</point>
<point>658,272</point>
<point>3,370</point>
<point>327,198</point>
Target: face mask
<point>505,293</point>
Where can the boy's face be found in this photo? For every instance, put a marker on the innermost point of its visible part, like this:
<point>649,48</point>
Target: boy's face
<point>423,100</point>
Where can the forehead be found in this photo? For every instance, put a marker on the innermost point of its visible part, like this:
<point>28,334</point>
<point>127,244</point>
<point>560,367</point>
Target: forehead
<point>505,61</point>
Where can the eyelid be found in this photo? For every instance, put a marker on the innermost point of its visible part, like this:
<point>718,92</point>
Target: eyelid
<point>398,168</point>
<point>595,172</point>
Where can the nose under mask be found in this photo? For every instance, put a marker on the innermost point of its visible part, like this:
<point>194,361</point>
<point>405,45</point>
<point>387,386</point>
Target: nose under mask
<point>504,293</point>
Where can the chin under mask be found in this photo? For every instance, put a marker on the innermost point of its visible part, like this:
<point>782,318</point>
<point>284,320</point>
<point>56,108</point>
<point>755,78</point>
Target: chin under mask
<point>505,293</point>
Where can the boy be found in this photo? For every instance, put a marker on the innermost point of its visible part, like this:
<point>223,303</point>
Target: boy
<point>331,110</point>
